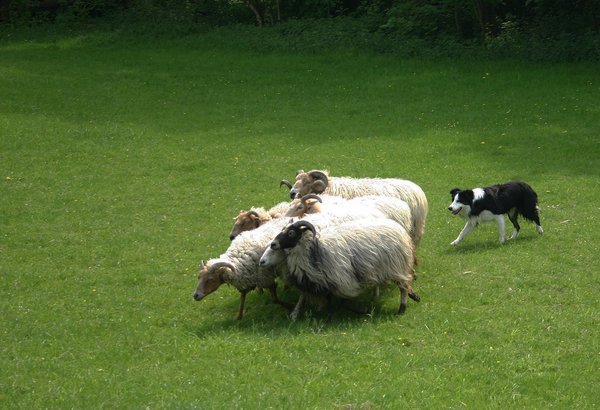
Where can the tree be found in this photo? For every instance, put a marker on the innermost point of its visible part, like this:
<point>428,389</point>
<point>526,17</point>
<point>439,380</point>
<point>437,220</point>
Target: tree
<point>264,10</point>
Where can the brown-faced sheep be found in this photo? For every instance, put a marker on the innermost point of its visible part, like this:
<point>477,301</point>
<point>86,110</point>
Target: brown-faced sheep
<point>255,217</point>
<point>239,266</point>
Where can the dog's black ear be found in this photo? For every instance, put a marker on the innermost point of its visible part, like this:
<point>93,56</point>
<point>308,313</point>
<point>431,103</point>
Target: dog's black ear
<point>454,192</point>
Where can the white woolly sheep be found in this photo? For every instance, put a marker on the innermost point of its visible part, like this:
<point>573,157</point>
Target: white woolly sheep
<point>239,266</point>
<point>255,217</point>
<point>318,182</point>
<point>309,204</point>
<point>341,209</point>
<point>343,260</point>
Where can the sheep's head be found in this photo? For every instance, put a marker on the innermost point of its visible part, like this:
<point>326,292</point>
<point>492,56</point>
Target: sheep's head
<point>312,203</point>
<point>271,257</point>
<point>291,235</point>
<point>312,182</point>
<point>288,183</point>
<point>245,221</point>
<point>211,276</point>
<point>308,204</point>
<point>296,209</point>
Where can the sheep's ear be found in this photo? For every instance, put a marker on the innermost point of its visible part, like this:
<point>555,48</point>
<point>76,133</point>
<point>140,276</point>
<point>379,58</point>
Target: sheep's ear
<point>300,171</point>
<point>318,187</point>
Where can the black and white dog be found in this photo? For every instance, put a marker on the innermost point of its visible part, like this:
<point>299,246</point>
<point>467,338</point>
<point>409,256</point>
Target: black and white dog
<point>491,203</point>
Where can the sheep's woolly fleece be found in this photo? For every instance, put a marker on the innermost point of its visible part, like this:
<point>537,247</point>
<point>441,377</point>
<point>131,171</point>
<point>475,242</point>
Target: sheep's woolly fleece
<point>244,253</point>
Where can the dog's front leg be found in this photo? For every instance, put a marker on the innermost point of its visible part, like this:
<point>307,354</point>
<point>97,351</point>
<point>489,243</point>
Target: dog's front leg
<point>469,226</point>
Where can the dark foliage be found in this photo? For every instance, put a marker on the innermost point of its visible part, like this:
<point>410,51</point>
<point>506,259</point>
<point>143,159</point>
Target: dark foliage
<point>538,29</point>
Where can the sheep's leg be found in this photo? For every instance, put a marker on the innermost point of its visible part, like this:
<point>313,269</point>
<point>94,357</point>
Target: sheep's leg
<point>329,308</point>
<point>403,300</point>
<point>413,271</point>
<point>414,296</point>
<point>242,302</point>
<point>296,311</point>
<point>275,299</point>
<point>407,284</point>
<point>376,293</point>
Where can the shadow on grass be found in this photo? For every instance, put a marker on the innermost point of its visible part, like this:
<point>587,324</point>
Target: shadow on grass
<point>265,318</point>
<point>490,246</point>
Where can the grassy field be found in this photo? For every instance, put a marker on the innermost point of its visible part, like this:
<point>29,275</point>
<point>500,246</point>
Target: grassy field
<point>124,162</point>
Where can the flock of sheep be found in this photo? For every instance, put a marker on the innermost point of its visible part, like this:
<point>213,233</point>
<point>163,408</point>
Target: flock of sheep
<point>338,237</point>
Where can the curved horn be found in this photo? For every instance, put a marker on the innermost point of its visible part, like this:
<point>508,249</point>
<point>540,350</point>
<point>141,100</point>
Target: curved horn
<point>286,183</point>
<point>256,218</point>
<point>310,196</point>
<point>221,264</point>
<point>307,225</point>
<point>321,181</point>
<point>319,175</point>
<point>254,213</point>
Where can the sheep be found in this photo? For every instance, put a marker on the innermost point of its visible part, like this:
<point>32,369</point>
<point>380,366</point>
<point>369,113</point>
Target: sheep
<point>368,206</point>
<point>255,217</point>
<point>309,204</point>
<point>318,182</point>
<point>239,266</point>
<point>342,260</point>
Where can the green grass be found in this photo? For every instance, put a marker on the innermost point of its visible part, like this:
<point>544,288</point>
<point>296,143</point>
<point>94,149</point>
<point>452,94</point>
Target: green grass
<point>123,163</point>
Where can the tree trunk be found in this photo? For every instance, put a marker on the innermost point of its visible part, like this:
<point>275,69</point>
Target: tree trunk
<point>459,32</point>
<point>479,15</point>
<point>259,19</point>
<point>486,15</point>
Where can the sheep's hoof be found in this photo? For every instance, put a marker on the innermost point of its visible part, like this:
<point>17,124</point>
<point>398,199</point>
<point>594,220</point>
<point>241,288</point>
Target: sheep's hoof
<point>414,296</point>
<point>402,309</point>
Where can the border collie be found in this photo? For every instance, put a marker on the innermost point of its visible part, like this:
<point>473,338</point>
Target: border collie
<point>491,203</point>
